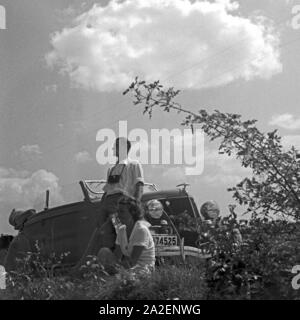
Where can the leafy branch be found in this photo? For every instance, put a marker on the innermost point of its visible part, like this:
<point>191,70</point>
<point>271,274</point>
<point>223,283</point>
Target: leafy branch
<point>277,191</point>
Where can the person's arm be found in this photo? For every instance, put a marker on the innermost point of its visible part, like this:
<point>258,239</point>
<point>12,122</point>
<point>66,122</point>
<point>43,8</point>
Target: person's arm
<point>135,255</point>
<point>139,188</point>
<point>138,181</point>
<point>122,241</point>
<point>118,253</point>
<point>107,178</point>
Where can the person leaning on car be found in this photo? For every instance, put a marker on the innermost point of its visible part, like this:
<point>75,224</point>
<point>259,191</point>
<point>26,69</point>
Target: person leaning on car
<point>124,179</point>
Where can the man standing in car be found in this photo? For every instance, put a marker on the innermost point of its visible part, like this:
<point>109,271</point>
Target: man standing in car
<point>124,179</point>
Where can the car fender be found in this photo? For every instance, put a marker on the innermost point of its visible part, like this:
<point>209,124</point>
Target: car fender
<point>17,250</point>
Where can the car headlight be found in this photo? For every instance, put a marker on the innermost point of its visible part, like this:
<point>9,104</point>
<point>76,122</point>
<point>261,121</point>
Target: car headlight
<point>155,209</point>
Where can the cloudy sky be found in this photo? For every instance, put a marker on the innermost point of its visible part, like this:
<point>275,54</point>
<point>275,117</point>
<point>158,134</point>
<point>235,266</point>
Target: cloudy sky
<point>64,65</point>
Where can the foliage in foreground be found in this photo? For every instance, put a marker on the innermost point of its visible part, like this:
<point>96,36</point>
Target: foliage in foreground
<point>250,259</point>
<point>258,266</point>
<point>167,282</point>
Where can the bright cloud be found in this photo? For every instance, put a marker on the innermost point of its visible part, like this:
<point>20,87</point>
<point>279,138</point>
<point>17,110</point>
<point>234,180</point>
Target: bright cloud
<point>187,44</point>
<point>21,190</point>
<point>30,152</point>
<point>83,157</point>
<point>286,121</point>
<point>219,170</point>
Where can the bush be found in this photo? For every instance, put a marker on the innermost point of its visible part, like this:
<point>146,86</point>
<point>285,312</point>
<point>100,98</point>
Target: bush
<point>257,268</point>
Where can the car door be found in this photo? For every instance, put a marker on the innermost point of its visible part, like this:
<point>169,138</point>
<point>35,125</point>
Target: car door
<point>72,228</point>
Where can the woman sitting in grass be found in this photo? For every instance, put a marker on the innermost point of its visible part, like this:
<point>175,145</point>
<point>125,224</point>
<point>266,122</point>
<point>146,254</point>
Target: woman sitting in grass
<point>136,253</point>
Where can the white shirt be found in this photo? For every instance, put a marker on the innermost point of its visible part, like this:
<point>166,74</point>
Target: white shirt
<point>130,176</point>
<point>140,236</point>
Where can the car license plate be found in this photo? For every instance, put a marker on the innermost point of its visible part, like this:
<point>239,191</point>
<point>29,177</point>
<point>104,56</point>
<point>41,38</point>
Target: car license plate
<point>163,241</point>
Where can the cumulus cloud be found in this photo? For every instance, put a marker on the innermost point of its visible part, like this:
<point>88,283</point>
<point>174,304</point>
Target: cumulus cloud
<point>83,157</point>
<point>30,152</point>
<point>18,190</point>
<point>187,44</point>
<point>286,121</point>
<point>219,171</point>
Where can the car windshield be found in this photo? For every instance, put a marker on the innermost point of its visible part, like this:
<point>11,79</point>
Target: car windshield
<point>176,206</point>
<point>93,189</point>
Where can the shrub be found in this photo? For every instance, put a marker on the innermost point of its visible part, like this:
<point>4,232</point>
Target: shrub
<point>259,267</point>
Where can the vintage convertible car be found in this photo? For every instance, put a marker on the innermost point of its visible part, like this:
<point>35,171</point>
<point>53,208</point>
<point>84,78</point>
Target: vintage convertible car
<point>68,228</point>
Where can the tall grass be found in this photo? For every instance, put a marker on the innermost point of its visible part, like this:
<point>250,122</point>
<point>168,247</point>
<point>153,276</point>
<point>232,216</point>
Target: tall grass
<point>169,281</point>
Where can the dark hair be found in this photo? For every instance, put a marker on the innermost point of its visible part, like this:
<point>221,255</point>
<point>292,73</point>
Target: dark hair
<point>124,139</point>
<point>133,207</point>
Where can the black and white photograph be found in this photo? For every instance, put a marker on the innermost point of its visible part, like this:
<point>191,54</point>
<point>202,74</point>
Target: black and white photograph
<point>150,151</point>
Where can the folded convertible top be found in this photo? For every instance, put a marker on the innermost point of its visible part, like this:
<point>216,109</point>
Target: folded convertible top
<point>18,218</point>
